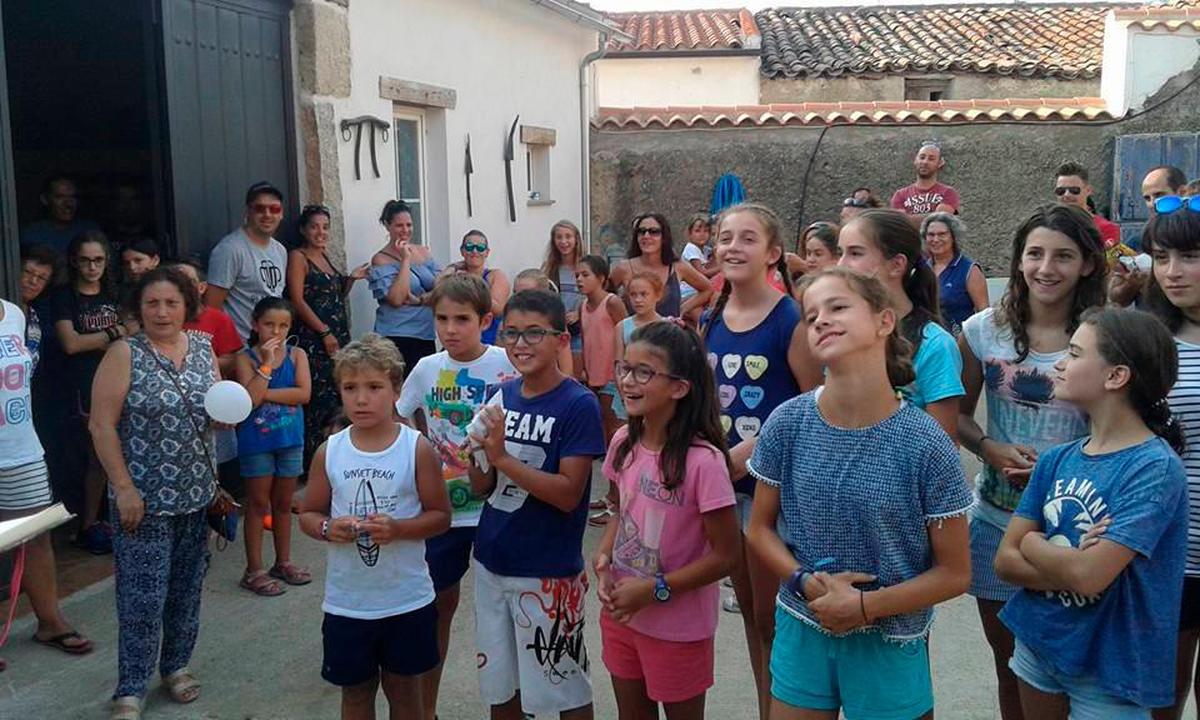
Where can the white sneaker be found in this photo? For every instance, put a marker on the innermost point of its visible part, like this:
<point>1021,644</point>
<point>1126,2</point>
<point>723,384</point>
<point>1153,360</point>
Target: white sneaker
<point>730,605</point>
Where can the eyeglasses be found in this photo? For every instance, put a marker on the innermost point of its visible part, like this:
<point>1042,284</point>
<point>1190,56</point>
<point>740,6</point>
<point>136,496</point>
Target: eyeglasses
<point>96,261</point>
<point>35,275</point>
<point>1168,204</point>
<point>642,374</point>
<point>473,248</point>
<point>267,208</point>
<point>649,231</point>
<point>1063,190</point>
<point>531,336</point>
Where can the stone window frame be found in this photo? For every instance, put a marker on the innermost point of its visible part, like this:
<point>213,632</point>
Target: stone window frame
<point>538,142</point>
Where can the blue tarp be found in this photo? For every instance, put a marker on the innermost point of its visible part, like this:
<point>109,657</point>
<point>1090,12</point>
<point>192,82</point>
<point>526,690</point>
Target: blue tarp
<point>728,191</point>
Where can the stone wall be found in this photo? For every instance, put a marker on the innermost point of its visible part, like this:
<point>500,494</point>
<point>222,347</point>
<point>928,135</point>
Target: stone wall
<point>1001,170</point>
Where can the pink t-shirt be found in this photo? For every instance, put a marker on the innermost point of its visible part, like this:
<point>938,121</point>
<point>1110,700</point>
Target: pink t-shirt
<point>661,530</point>
<point>912,200</point>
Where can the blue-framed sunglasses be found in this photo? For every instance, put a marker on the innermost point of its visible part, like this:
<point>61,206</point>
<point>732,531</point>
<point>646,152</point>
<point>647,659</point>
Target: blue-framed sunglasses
<point>1168,204</point>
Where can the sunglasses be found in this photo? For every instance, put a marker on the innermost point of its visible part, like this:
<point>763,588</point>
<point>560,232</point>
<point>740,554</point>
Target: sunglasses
<point>267,208</point>
<point>314,209</point>
<point>854,202</point>
<point>531,336</point>
<point>474,248</point>
<point>1168,204</point>
<point>649,231</point>
<point>1060,191</point>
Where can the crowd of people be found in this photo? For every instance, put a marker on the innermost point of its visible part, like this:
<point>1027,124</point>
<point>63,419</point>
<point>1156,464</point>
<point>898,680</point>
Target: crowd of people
<point>789,420</point>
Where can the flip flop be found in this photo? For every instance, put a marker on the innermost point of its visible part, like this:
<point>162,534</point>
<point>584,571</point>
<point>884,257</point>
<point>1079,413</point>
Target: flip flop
<point>58,642</point>
<point>182,686</point>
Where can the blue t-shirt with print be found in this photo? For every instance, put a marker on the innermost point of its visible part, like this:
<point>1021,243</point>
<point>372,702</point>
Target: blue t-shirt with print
<point>520,535</point>
<point>861,499</point>
<point>1125,637</point>
<point>752,373</point>
<point>938,366</point>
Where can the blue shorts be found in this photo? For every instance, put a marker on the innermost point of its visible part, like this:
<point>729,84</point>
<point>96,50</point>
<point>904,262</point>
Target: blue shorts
<point>985,583</point>
<point>357,650</point>
<point>576,343</point>
<point>1088,700</point>
<point>862,673</point>
<point>449,555</point>
<point>284,463</point>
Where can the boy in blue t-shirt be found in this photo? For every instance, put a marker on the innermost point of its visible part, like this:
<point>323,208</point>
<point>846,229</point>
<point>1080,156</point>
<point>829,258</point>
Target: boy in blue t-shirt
<point>541,440</point>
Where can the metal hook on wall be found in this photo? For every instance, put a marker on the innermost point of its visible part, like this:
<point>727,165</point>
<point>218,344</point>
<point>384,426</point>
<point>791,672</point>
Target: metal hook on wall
<point>373,123</point>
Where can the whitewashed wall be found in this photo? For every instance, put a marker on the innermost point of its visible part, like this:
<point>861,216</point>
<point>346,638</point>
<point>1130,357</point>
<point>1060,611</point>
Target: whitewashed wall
<point>503,58</point>
<point>661,81</point>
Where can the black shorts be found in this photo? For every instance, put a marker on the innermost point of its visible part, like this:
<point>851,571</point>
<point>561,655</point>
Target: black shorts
<point>357,650</point>
<point>448,556</point>
<point>1189,610</point>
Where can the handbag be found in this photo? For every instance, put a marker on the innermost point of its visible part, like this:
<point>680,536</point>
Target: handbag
<point>222,512</point>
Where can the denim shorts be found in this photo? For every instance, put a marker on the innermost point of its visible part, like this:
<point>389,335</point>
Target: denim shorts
<point>862,673</point>
<point>1088,700</point>
<point>284,463</point>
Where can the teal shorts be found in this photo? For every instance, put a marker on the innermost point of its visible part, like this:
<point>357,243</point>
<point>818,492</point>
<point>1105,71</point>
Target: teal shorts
<point>863,674</point>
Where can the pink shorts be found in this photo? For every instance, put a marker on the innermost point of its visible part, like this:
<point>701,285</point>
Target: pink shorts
<point>673,671</point>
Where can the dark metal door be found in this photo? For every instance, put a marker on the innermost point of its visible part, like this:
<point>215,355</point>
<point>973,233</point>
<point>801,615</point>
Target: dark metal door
<point>229,119</point>
<point>9,252</point>
<point>1135,155</point>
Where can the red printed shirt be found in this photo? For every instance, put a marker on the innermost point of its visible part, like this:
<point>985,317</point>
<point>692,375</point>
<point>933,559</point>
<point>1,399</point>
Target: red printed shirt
<point>912,200</point>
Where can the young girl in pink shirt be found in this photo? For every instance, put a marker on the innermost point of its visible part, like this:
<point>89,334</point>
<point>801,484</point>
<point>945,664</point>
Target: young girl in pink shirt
<point>676,532</point>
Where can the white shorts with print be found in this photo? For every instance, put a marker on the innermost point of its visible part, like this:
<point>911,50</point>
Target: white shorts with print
<point>529,637</point>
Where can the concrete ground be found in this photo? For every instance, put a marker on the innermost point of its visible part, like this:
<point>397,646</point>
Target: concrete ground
<point>259,658</point>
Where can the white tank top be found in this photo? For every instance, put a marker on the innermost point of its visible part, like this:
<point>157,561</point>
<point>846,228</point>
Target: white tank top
<point>365,580</point>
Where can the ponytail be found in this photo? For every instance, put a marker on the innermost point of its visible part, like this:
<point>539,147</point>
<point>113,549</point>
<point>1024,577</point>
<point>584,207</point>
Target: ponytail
<point>1142,343</point>
<point>895,235</point>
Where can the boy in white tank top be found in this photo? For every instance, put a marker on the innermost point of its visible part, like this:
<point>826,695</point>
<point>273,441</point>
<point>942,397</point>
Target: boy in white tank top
<point>375,493</point>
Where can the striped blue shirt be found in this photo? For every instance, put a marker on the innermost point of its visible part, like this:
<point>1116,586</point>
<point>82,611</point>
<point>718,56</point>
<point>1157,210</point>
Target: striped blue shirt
<point>1185,404</point>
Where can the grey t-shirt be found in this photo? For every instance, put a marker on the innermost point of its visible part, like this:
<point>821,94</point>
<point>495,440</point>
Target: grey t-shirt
<point>249,271</point>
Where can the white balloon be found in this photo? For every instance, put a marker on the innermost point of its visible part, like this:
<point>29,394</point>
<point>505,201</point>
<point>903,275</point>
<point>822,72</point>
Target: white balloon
<point>227,402</point>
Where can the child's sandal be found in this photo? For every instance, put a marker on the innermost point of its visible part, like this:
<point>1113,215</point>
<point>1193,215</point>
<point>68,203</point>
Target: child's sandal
<point>291,574</point>
<point>262,584</point>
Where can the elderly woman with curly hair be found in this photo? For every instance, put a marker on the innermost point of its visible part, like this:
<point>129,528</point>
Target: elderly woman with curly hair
<point>962,288</point>
<point>154,440</point>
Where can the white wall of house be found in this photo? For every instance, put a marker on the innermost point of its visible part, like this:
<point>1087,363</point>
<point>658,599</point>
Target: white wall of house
<point>502,58</point>
<point>1138,61</point>
<point>661,81</point>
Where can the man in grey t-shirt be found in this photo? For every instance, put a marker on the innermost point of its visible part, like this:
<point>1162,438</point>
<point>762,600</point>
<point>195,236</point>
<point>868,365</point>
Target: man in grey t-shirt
<point>249,264</point>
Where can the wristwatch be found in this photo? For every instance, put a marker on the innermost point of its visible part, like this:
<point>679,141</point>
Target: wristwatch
<point>795,583</point>
<point>325,529</point>
<point>662,591</point>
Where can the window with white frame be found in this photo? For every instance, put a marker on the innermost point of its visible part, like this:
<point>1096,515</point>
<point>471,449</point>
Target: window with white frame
<point>410,168</point>
<point>538,143</point>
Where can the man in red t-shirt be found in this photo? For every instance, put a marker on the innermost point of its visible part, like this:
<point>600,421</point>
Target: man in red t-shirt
<point>1071,188</point>
<point>215,323</point>
<point>926,195</point>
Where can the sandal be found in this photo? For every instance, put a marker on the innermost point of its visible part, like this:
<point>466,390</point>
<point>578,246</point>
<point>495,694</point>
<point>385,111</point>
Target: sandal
<point>598,504</point>
<point>126,707</point>
<point>601,518</point>
<point>291,574</point>
<point>182,686</point>
<point>59,642</point>
<point>262,584</point>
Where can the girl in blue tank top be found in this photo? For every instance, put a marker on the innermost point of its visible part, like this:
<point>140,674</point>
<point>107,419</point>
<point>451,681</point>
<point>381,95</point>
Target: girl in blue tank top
<point>760,358</point>
<point>271,442</point>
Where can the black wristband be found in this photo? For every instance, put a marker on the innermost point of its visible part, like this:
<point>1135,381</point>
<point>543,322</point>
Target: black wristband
<point>111,332</point>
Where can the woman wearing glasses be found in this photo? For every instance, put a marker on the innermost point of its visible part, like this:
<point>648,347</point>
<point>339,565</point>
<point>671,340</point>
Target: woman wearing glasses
<point>1172,239</point>
<point>401,276</point>
<point>651,250</point>
<point>86,315</point>
<point>475,250</point>
<point>962,288</point>
<point>318,290</point>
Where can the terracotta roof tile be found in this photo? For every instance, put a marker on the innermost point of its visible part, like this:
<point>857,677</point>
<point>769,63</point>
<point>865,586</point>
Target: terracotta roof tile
<point>1082,109</point>
<point>686,30</point>
<point>1029,40</point>
<point>1182,15</point>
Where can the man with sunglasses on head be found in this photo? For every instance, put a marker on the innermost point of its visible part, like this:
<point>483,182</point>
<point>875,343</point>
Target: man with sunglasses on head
<point>1071,188</point>
<point>249,263</point>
